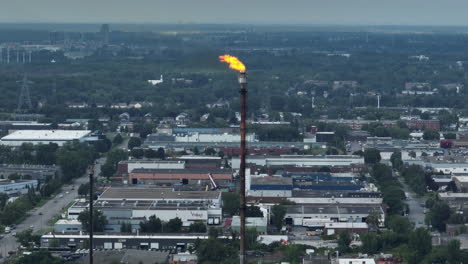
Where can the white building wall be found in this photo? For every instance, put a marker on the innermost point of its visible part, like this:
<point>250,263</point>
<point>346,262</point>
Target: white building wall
<point>298,161</point>
<point>197,137</point>
<point>17,143</point>
<point>17,187</point>
<point>162,165</point>
<point>187,216</point>
<point>450,169</point>
<point>309,162</point>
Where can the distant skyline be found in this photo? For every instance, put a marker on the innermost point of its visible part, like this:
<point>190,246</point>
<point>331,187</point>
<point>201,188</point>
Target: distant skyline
<point>335,12</point>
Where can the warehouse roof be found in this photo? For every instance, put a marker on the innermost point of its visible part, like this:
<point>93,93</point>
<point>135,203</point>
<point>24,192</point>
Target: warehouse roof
<point>272,180</point>
<point>155,194</point>
<point>53,135</point>
<point>185,171</point>
<point>332,209</point>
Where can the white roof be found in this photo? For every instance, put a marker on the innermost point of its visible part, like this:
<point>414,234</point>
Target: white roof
<point>463,179</point>
<point>68,222</point>
<point>250,221</point>
<point>356,261</point>
<point>349,225</point>
<point>46,135</point>
<point>453,195</point>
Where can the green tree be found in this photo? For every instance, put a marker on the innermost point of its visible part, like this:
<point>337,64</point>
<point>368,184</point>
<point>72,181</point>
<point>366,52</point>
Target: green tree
<point>137,153</point>
<point>399,224</point>
<point>215,250</point>
<point>39,257</point>
<point>344,240</point>
<point>431,135</point>
<point>126,227</point>
<point>160,154</point>
<point>134,142</point>
<point>293,253</point>
<point>27,239</point>
<point>3,200</point>
<point>278,211</point>
<point>118,139</point>
<point>253,211</point>
<point>370,243</point>
<point>102,145</point>
<point>174,225</point>
<point>373,220</point>
<point>420,241</point>
<point>454,253</point>
<point>197,227</point>
<point>99,220</point>
<point>396,160</point>
<point>372,156</point>
<point>210,151</point>
<point>231,202</point>
<point>151,225</point>
<point>450,136</point>
<point>438,215</point>
<point>83,189</point>
<point>113,158</point>
<point>74,159</point>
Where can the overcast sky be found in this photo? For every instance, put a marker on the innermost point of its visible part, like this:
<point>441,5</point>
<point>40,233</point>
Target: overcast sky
<point>369,12</point>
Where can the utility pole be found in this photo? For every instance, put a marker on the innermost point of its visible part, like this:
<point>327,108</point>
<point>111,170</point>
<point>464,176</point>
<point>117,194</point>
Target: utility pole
<point>91,199</point>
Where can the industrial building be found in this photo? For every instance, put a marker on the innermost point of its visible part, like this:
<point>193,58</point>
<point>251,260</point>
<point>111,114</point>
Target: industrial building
<point>338,227</point>
<point>450,165</point>
<point>155,141</point>
<point>17,187</point>
<point>67,226</point>
<point>11,126</point>
<point>35,137</point>
<point>461,182</point>
<point>319,215</point>
<point>287,184</point>
<point>300,160</point>
<point>269,186</point>
<point>260,224</point>
<point>133,205</point>
<point>213,135</point>
<point>201,162</point>
<point>125,167</point>
<point>154,176</point>
<point>120,241</point>
<point>35,172</point>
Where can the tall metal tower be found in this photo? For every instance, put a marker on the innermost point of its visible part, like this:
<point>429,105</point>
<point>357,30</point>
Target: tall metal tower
<point>24,100</point>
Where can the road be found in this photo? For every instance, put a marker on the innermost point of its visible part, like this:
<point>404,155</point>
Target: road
<point>39,217</point>
<point>416,210</point>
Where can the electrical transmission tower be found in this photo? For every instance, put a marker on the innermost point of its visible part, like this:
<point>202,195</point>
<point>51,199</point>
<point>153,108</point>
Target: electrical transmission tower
<point>24,100</point>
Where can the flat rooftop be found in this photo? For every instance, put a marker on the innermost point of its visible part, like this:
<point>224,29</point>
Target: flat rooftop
<point>198,157</point>
<point>113,193</point>
<point>145,161</point>
<point>332,209</point>
<point>271,180</point>
<point>153,205</point>
<point>462,179</point>
<point>8,182</point>
<point>46,135</point>
<point>184,171</point>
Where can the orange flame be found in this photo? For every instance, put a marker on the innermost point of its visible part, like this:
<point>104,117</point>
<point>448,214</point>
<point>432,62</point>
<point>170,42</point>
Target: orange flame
<point>234,63</point>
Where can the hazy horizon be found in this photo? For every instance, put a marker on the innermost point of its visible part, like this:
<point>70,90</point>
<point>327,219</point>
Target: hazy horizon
<point>330,12</point>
